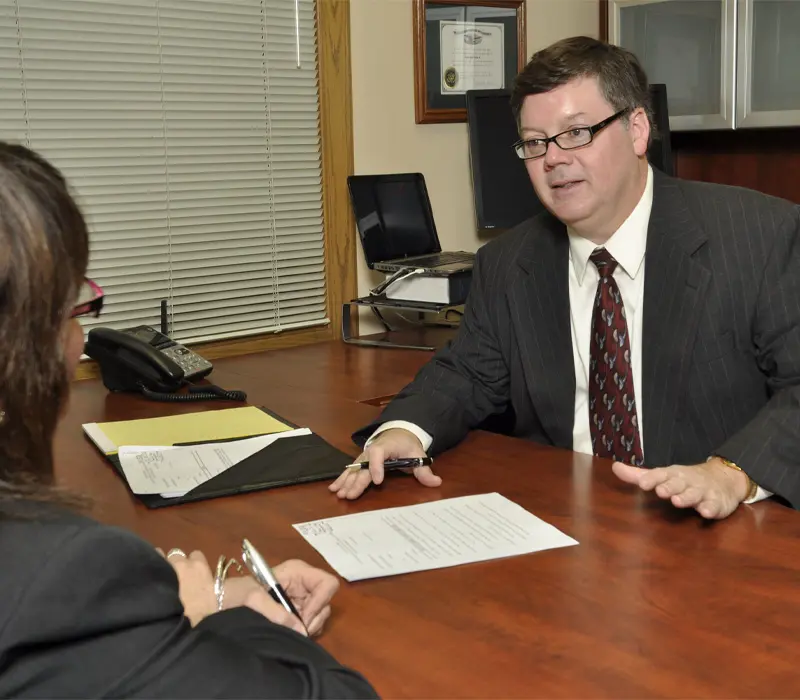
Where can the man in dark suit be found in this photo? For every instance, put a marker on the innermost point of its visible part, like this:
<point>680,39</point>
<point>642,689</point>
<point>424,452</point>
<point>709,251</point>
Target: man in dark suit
<point>643,318</point>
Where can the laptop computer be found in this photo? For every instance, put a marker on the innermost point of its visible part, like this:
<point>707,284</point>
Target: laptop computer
<point>395,222</point>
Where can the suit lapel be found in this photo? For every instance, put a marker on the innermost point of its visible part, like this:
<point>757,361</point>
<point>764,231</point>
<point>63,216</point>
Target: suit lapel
<point>674,286</point>
<point>539,303</point>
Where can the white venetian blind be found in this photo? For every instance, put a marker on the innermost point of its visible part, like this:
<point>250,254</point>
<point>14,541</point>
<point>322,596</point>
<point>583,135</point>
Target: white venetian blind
<point>189,131</point>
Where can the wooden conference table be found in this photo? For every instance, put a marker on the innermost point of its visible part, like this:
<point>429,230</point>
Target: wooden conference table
<point>652,603</point>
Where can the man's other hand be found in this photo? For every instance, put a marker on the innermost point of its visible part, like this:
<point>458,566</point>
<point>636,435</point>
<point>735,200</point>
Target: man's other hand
<point>395,443</point>
<point>711,488</point>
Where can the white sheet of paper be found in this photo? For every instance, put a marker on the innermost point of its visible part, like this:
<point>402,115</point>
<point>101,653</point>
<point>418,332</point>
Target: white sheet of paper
<point>172,471</point>
<point>432,535</point>
<point>472,56</point>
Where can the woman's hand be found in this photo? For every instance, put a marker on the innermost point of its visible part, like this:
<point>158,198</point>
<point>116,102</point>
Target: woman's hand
<point>246,591</point>
<point>195,584</point>
<point>310,590</point>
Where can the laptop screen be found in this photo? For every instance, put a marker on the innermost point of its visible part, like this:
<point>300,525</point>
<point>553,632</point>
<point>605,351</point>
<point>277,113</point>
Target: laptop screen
<point>393,216</point>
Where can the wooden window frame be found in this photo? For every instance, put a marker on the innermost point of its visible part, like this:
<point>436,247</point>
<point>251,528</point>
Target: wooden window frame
<point>336,138</point>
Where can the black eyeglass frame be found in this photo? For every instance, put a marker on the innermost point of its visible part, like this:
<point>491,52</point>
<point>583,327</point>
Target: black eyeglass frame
<point>591,130</point>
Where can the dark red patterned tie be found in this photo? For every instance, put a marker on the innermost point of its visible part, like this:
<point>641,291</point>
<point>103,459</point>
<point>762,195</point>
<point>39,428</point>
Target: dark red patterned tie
<point>612,404</point>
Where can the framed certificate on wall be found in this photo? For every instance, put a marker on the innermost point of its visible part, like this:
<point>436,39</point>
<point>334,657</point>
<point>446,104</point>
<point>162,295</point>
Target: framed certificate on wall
<point>462,45</point>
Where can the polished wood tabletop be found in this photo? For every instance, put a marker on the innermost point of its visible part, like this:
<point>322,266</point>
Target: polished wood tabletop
<point>653,602</point>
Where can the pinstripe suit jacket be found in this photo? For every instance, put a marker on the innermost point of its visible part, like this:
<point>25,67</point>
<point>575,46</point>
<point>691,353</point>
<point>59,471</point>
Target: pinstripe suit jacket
<point>720,340</point>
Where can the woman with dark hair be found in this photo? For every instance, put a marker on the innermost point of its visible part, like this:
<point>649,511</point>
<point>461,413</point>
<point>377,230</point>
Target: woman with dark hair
<point>89,610</point>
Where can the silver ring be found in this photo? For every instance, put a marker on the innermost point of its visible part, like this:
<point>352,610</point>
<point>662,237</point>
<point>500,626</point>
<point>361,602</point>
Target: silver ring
<point>177,551</point>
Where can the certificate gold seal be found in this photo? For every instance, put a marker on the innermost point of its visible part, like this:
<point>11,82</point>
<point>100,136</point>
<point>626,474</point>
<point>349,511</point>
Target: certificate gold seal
<point>450,77</point>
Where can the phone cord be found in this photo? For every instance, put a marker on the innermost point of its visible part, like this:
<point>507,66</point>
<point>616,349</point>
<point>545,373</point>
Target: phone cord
<point>196,393</point>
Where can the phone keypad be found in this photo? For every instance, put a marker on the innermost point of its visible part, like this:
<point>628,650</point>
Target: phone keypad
<point>191,363</point>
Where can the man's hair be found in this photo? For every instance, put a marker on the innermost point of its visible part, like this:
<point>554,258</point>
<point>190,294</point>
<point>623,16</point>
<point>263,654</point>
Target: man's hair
<point>622,80</point>
<point>44,250</point>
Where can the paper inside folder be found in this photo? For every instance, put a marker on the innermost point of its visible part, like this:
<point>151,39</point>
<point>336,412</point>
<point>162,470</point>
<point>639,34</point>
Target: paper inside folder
<point>173,471</point>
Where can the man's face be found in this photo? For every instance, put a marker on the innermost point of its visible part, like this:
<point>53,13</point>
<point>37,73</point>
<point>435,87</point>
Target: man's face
<point>594,186</point>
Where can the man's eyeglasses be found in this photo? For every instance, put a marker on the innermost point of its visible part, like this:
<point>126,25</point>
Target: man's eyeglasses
<point>90,300</point>
<point>566,140</point>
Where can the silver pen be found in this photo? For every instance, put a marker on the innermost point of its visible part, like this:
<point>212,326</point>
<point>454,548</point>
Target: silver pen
<point>261,572</point>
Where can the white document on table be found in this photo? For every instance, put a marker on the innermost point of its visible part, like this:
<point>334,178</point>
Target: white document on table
<point>173,471</point>
<point>432,535</point>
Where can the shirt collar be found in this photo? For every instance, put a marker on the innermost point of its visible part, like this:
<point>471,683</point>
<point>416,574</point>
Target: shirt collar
<point>628,242</point>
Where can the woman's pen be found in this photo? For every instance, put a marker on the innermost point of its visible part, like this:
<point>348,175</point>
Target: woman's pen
<point>263,574</point>
<point>395,463</point>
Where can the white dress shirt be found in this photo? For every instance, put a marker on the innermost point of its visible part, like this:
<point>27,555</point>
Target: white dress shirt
<point>627,246</point>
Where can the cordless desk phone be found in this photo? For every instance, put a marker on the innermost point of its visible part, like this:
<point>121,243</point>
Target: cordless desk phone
<point>142,360</point>
<point>194,367</point>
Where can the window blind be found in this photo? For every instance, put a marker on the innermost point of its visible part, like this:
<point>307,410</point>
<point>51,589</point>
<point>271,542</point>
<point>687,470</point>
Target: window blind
<point>189,131</point>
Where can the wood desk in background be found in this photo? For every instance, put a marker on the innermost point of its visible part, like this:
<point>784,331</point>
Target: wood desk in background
<point>653,602</point>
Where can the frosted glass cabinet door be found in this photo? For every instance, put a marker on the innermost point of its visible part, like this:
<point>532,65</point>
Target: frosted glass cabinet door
<point>768,91</point>
<point>689,45</point>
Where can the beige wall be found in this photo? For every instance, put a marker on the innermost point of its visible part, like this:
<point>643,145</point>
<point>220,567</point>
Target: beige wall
<point>385,137</point>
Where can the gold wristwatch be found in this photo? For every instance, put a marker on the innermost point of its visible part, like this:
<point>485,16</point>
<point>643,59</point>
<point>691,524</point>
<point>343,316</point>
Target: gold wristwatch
<point>753,489</point>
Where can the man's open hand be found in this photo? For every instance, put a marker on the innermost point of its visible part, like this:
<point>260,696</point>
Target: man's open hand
<point>711,488</point>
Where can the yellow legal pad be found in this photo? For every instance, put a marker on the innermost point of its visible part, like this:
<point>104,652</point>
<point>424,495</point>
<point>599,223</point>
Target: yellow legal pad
<point>203,426</point>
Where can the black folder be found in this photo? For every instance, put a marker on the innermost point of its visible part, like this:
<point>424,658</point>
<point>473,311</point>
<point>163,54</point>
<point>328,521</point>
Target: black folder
<point>287,461</point>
